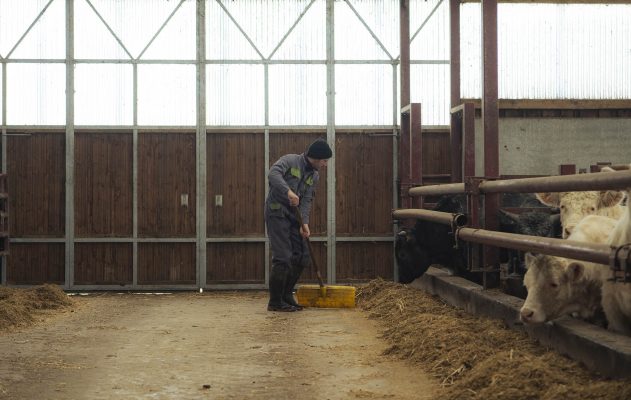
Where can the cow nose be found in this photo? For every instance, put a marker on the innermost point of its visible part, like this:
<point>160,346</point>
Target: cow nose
<point>567,231</point>
<point>526,314</point>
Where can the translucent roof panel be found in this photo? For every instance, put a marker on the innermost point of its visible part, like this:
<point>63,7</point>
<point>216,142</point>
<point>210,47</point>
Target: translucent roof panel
<point>45,39</point>
<point>177,39</point>
<point>103,94</point>
<point>363,95</point>
<point>134,22</point>
<point>429,85</point>
<point>552,51</point>
<point>166,95</point>
<point>264,22</point>
<point>36,94</point>
<point>297,94</point>
<point>307,40</point>
<point>354,41</point>
<point>235,95</point>
<point>429,30</point>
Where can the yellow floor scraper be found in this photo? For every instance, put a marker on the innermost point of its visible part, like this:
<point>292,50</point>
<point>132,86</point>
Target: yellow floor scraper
<point>320,295</point>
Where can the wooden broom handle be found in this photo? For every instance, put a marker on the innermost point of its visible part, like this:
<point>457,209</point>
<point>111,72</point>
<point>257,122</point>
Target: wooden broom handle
<point>313,261</point>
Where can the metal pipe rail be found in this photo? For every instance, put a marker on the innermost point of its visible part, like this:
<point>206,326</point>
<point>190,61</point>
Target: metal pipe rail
<point>455,220</point>
<point>597,253</point>
<point>582,182</point>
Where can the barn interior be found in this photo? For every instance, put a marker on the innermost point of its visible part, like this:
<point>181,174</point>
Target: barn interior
<point>137,138</point>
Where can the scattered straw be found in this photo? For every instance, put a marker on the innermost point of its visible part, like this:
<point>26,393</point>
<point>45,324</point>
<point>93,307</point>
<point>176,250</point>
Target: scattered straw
<point>473,357</point>
<point>18,306</point>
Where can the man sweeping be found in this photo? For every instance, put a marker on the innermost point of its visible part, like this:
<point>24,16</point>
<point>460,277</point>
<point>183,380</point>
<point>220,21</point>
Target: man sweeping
<point>292,181</point>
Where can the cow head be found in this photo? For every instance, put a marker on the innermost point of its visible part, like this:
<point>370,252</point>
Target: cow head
<point>555,286</point>
<point>412,258</point>
<point>576,205</point>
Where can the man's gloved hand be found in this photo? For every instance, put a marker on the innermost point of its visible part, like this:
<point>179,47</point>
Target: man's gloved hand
<point>294,200</point>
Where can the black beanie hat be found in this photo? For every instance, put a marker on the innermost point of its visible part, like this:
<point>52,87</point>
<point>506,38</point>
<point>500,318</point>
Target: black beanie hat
<point>319,150</point>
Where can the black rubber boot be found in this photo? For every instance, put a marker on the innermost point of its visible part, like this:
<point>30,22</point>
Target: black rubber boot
<point>277,281</point>
<point>288,293</point>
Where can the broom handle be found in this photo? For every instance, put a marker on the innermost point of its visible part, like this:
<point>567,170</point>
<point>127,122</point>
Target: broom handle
<point>313,261</point>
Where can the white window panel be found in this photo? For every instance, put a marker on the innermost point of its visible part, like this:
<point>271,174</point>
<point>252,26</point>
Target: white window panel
<point>264,21</point>
<point>36,94</point>
<point>363,95</point>
<point>103,94</point>
<point>47,38</point>
<point>177,40</point>
<point>552,51</point>
<point>15,18</point>
<point>307,41</point>
<point>297,94</point>
<point>352,40</point>
<point>432,41</point>
<point>235,95</point>
<point>135,22</point>
<point>429,85</point>
<point>166,95</point>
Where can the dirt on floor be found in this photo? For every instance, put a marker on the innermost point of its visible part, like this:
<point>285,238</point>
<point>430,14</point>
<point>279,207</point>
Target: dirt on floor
<point>476,358</point>
<point>401,343</point>
<point>218,345</point>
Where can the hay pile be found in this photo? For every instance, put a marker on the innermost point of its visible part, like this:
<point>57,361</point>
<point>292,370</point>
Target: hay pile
<point>476,358</point>
<point>19,306</point>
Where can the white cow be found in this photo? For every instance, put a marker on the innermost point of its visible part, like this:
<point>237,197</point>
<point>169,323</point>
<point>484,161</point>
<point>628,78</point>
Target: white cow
<point>574,206</point>
<point>559,286</point>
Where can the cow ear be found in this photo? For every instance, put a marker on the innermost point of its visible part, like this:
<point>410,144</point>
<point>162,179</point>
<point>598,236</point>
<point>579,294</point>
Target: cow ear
<point>610,198</point>
<point>575,271</point>
<point>549,199</point>
<point>529,259</point>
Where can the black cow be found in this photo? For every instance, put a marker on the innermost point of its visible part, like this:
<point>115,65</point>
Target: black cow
<point>430,243</point>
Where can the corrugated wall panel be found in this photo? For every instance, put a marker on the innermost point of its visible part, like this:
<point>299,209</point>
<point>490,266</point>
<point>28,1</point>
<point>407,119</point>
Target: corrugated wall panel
<point>363,95</point>
<point>36,174</point>
<point>364,261</point>
<point>103,184</point>
<point>35,263</point>
<point>103,264</point>
<point>166,185</point>
<point>235,263</point>
<point>363,184</point>
<point>552,51</point>
<point>236,162</point>
<point>297,95</point>
<point>166,263</point>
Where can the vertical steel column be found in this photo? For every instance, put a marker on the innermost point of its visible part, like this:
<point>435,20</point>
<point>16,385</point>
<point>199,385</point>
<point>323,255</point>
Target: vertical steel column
<point>455,127</point>
<point>134,178</point>
<point>404,137</point>
<point>266,167</point>
<point>69,227</point>
<point>468,141</point>
<point>330,137</point>
<point>200,146</point>
<point>490,117</point>
<point>3,121</point>
<point>416,154</point>
<point>395,161</point>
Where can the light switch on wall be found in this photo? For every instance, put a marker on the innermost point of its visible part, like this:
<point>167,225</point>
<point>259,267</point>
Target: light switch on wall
<point>218,200</point>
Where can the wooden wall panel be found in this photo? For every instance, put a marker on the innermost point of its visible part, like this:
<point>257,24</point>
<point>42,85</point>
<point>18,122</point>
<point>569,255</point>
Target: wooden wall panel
<point>103,264</point>
<point>36,172</point>
<point>103,185</point>
<point>364,261</point>
<point>36,263</point>
<point>166,171</point>
<point>364,184</point>
<point>436,153</point>
<point>236,165</point>
<point>166,263</point>
<point>309,275</point>
<point>235,263</point>
<point>282,143</point>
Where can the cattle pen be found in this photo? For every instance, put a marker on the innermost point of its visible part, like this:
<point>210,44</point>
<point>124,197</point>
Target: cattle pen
<point>617,362</point>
